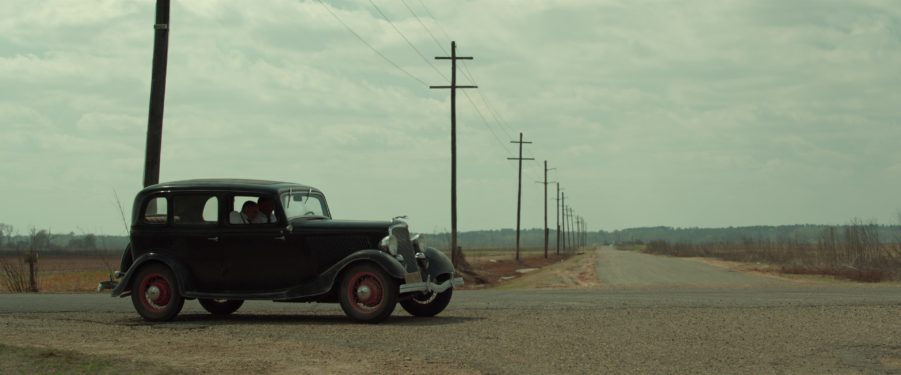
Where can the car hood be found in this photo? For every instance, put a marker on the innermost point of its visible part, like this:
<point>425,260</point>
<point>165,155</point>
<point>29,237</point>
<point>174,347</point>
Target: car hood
<point>331,225</point>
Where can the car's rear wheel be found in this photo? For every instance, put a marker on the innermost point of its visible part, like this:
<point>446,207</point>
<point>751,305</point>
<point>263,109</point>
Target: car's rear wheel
<point>221,306</point>
<point>154,293</point>
<point>427,304</point>
<point>367,293</point>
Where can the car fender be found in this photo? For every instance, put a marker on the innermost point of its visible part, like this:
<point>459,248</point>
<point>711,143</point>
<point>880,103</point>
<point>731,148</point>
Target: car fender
<point>439,264</point>
<point>380,258</point>
<point>185,282</point>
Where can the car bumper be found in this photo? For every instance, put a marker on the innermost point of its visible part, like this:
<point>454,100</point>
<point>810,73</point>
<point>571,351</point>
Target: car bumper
<point>428,286</point>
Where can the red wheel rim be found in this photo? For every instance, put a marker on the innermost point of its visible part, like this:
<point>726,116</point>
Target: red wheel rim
<point>155,292</point>
<point>365,291</point>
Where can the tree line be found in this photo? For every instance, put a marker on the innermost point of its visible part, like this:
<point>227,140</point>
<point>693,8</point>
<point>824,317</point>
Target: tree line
<point>12,240</point>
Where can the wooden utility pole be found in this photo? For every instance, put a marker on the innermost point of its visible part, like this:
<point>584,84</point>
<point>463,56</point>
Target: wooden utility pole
<point>579,231</point>
<point>157,94</point>
<point>519,189</point>
<point>455,251</point>
<point>571,229</point>
<point>546,230</point>
<point>557,205</point>
<point>585,231</point>
<point>563,227</point>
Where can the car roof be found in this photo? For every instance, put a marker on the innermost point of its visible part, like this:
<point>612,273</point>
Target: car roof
<point>229,184</point>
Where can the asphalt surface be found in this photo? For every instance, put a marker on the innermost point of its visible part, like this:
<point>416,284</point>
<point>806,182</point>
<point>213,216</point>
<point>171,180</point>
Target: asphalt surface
<point>547,299</point>
<point>683,316</point>
<point>629,269</point>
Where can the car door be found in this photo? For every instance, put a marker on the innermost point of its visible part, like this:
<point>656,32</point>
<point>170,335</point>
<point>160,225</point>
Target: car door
<point>260,257</point>
<point>195,234</point>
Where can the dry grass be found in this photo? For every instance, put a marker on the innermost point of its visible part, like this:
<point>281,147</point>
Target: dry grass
<point>853,253</point>
<point>578,271</point>
<point>70,273</point>
<point>81,273</point>
<point>496,266</point>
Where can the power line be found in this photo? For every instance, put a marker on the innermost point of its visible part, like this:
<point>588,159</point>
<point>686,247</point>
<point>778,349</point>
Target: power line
<point>440,46</point>
<point>485,121</point>
<point>492,112</point>
<point>369,45</point>
<point>418,52</point>
<point>433,17</point>
<point>427,61</point>
<point>465,71</point>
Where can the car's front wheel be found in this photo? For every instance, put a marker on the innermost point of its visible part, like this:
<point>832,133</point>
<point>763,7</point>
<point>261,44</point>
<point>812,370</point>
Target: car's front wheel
<point>429,304</point>
<point>154,293</point>
<point>221,306</point>
<point>367,293</point>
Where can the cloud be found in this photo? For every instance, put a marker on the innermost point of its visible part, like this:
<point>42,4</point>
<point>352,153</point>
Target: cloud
<point>648,110</point>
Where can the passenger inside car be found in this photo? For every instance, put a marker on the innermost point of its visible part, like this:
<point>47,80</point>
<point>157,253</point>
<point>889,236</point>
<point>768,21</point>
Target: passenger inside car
<point>249,213</point>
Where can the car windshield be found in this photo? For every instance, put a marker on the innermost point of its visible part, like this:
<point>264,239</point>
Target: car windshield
<point>304,204</point>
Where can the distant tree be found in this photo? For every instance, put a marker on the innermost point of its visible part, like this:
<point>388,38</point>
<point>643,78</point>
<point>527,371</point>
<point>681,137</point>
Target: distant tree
<point>6,233</point>
<point>89,241</point>
<point>40,239</point>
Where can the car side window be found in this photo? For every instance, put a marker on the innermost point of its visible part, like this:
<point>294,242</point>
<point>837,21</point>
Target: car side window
<point>156,211</point>
<point>195,209</point>
<point>252,209</point>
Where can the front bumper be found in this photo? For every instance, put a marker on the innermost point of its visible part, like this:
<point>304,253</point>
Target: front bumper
<point>428,286</point>
<point>112,283</point>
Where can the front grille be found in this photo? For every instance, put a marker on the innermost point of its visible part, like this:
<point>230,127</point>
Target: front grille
<point>405,247</point>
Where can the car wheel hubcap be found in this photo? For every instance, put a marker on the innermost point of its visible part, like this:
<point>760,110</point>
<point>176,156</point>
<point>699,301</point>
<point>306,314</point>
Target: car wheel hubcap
<point>153,293</point>
<point>365,292</point>
<point>157,292</point>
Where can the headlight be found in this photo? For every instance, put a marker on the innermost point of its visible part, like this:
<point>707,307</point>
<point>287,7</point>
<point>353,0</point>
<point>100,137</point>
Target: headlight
<point>389,244</point>
<point>418,242</point>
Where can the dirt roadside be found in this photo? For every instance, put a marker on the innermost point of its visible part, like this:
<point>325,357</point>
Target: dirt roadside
<point>504,272</point>
<point>584,328</point>
<point>208,346</point>
<point>80,343</point>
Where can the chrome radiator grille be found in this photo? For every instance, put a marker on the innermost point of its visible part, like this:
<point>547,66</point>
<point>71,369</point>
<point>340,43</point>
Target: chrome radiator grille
<point>405,247</point>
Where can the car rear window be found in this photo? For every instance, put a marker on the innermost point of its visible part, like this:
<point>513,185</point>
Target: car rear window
<point>195,209</point>
<point>156,211</point>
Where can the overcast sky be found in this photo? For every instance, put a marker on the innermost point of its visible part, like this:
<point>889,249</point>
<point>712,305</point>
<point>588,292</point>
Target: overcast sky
<point>677,113</point>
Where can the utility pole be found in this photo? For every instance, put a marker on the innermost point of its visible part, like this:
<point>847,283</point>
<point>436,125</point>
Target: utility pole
<point>585,232</point>
<point>569,224</point>
<point>579,236</point>
<point>563,228</point>
<point>557,205</point>
<point>546,231</point>
<point>157,94</point>
<point>455,251</point>
<point>519,189</point>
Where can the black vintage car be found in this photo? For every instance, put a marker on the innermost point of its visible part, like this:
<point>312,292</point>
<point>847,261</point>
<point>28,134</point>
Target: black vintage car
<point>191,240</point>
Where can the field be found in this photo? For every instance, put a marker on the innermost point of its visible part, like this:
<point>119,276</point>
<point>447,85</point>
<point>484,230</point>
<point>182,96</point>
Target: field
<point>63,273</point>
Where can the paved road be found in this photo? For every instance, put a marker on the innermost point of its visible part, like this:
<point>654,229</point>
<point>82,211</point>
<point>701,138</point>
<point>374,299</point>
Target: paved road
<point>630,269</point>
<point>737,326</point>
<point>547,299</point>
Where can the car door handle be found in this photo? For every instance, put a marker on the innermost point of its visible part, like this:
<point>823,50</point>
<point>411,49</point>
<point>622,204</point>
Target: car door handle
<point>213,238</point>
